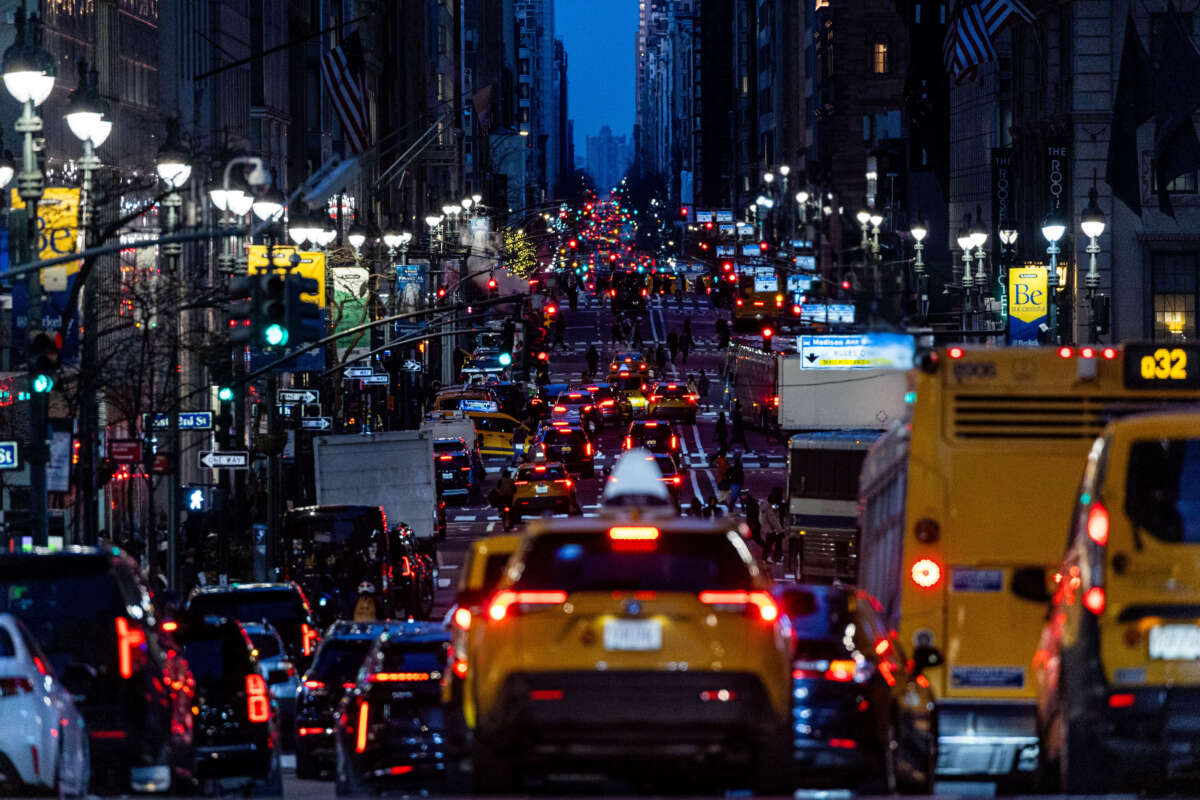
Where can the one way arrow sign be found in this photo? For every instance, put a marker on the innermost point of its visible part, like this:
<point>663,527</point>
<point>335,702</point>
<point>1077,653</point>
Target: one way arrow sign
<point>228,459</point>
<point>286,396</point>
<point>316,423</point>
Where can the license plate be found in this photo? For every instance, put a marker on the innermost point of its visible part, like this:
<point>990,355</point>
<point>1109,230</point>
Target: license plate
<point>632,634</point>
<point>652,442</point>
<point>1175,642</point>
<point>541,489</point>
<point>447,476</point>
<point>565,449</point>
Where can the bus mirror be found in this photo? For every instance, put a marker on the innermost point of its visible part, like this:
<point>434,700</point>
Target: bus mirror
<point>928,361</point>
<point>926,656</point>
<point>1029,583</point>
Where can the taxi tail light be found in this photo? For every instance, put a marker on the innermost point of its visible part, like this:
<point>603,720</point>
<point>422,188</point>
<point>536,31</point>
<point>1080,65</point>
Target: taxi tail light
<point>1109,353</point>
<point>565,482</point>
<point>397,677</point>
<point>314,685</point>
<point>520,483</point>
<point>1087,352</point>
<point>926,573</point>
<point>360,739</point>
<point>1094,600</point>
<point>768,611</point>
<point>1121,700</point>
<point>131,644</point>
<point>506,600</point>
<point>258,705</point>
<point>309,638</point>
<point>462,618</point>
<point>1097,524</point>
<point>1065,352</point>
<point>841,671</point>
<point>956,352</point>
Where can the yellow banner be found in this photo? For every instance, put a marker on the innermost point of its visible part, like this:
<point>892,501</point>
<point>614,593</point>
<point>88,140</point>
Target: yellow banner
<point>58,224</point>
<point>311,265</point>
<point>1027,293</point>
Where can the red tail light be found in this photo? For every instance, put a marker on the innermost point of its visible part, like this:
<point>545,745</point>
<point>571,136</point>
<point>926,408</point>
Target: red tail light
<point>462,618</point>
<point>308,638</point>
<point>560,409</point>
<point>796,311</point>
<point>926,573</point>
<point>631,533</point>
<point>628,442</point>
<point>740,302</point>
<point>841,671</point>
<point>565,482</point>
<point>258,705</point>
<point>406,570</point>
<point>14,686</point>
<point>1065,352</point>
<point>677,480</point>
<point>654,398</point>
<point>360,740</point>
<point>546,694</point>
<point>763,601</point>
<point>607,403</point>
<point>1121,700</point>
<point>844,744</point>
<point>587,449</point>
<point>445,458</point>
<point>397,677</point>
<point>1109,353</point>
<point>956,352</point>
<point>500,605</point>
<point>1094,600</point>
<point>170,626</point>
<point>1097,524</point>
<point>460,668</point>
<point>130,647</point>
<point>314,685</point>
<point>1087,352</point>
<point>674,442</point>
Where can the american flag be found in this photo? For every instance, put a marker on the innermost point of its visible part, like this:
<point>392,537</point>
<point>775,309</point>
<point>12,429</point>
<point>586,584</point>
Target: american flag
<point>969,35</point>
<point>343,75</point>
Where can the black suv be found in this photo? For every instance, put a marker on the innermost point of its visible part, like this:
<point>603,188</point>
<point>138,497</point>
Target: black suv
<point>281,604</point>
<point>452,468</point>
<point>570,445</point>
<point>332,672</point>
<point>414,575</point>
<point>390,725</point>
<point>90,610</point>
<point>236,730</point>
<point>655,435</point>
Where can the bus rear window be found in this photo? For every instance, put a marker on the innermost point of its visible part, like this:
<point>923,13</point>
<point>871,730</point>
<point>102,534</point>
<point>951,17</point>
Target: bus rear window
<point>589,562</point>
<point>1162,494</point>
<point>825,474</point>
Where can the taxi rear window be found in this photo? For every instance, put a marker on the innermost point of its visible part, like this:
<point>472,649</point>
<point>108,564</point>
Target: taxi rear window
<point>1162,494</point>
<point>676,390</point>
<point>564,436</point>
<point>581,562</point>
<point>548,472</point>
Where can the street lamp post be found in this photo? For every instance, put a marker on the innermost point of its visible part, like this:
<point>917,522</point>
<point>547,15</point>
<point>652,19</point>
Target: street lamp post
<point>85,116</point>
<point>966,280</point>
<point>979,237</point>
<point>1053,228</point>
<point>174,169</point>
<point>1008,243</point>
<point>1092,223</point>
<point>29,78</point>
<point>919,231</point>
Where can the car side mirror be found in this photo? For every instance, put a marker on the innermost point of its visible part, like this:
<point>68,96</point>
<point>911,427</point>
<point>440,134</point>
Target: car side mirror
<point>79,679</point>
<point>926,656</point>
<point>1029,583</point>
<point>279,674</point>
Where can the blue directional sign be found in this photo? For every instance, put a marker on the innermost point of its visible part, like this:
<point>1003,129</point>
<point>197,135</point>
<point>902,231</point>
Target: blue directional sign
<point>10,457</point>
<point>195,420</point>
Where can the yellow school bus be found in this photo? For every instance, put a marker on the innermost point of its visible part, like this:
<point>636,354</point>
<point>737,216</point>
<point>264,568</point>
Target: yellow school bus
<point>965,505</point>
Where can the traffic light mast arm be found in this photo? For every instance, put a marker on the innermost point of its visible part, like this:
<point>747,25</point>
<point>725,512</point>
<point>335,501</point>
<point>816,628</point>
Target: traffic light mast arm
<point>397,343</point>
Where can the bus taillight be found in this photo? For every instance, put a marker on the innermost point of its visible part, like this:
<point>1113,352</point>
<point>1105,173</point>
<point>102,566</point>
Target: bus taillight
<point>1097,524</point>
<point>926,573</point>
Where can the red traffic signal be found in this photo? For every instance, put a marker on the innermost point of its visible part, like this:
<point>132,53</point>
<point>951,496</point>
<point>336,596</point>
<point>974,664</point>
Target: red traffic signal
<point>727,266</point>
<point>763,245</point>
<point>796,310</point>
<point>683,212</point>
<point>846,285</point>
<point>573,243</point>
<point>492,283</point>
<point>543,355</point>
<point>708,226</point>
<point>441,292</point>
<point>551,310</point>
<point>767,333</point>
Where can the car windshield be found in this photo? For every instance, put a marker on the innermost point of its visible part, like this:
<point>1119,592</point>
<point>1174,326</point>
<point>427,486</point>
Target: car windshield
<point>564,436</point>
<point>217,656</point>
<point>65,604</point>
<point>629,382</point>
<point>1162,495</point>
<point>339,659</point>
<point>594,562</point>
<point>547,472</point>
<point>671,390</point>
<point>275,606</point>
<point>266,644</point>
<point>406,657</point>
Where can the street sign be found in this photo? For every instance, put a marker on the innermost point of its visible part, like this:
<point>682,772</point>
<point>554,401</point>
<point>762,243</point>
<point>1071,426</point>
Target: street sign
<point>195,420</point>
<point>297,396</point>
<point>411,366</point>
<point>316,423</point>
<point>866,351</point>
<point>359,372</point>
<point>227,459</point>
<point>125,451</point>
<point>376,379</point>
<point>10,456</point>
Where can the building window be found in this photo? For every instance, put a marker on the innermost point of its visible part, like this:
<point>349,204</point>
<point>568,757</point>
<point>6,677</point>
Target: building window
<point>819,4</point>
<point>880,60</point>
<point>1175,282</point>
<point>1182,184</point>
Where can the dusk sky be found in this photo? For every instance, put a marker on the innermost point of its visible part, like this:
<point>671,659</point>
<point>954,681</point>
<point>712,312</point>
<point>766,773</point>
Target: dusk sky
<point>599,38</point>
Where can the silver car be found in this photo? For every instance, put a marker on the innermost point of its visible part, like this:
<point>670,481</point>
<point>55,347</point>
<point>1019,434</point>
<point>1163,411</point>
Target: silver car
<point>280,674</point>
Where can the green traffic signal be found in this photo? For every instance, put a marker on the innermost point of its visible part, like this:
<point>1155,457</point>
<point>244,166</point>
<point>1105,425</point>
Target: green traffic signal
<point>42,383</point>
<point>505,359</point>
<point>224,394</point>
<point>275,335</point>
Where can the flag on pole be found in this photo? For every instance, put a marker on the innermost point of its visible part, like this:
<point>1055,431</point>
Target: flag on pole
<point>1133,106</point>
<point>972,28</point>
<point>343,75</point>
<point>1176,98</point>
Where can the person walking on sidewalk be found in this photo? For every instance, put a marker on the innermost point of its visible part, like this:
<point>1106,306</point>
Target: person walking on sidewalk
<point>722,434</point>
<point>506,490</point>
<point>772,526</point>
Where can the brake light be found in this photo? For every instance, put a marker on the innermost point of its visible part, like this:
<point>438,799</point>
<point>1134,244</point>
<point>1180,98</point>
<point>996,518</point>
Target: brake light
<point>539,469</point>
<point>314,685</point>
<point>882,646</point>
<point>308,637</point>
<point>462,618</point>
<point>671,386</point>
<point>651,424</point>
<point>546,694</point>
<point>674,442</point>
<point>129,640</point>
<point>844,744</point>
<point>926,573</point>
<point>360,741</point>
<point>565,481</point>
<point>258,706</point>
<point>628,442</point>
<point>587,449</point>
<point>607,403</point>
<point>956,352</point>
<point>1121,700</point>
<point>14,686</point>
<point>1094,600</point>
<point>445,458</point>
<point>348,685</point>
<point>560,409</point>
<point>841,671</point>
<point>1097,524</point>
<point>654,398</point>
<point>1109,353</point>
<point>406,570</point>
<point>397,677</point>
<point>1065,352</point>
<point>520,483</point>
<point>1087,352</point>
<point>498,610</point>
<point>765,604</point>
<point>633,533</point>
<point>460,668</point>
<point>170,626</point>
<point>677,480</point>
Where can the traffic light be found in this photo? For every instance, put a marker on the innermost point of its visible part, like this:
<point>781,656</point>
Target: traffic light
<point>272,310</point>
<point>441,294</point>
<point>727,266</point>
<point>1100,314</point>
<point>492,285</point>
<point>305,320</point>
<point>243,301</point>
<point>505,359</point>
<point>44,358</point>
<point>683,212</point>
<point>767,333</point>
<point>763,246</point>
<point>573,243</point>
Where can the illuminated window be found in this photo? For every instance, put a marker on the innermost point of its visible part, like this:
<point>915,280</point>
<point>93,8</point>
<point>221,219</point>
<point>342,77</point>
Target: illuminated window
<point>880,62</point>
<point>819,4</point>
<point>1175,284</point>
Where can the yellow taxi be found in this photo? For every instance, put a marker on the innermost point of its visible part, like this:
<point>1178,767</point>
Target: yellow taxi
<point>1118,664</point>
<point>450,401</point>
<point>544,487</point>
<point>623,642</point>
<point>494,431</point>
<point>631,362</point>
<point>631,394</point>
<point>673,399</point>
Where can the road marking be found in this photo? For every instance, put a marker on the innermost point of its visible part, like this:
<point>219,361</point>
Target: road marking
<point>695,484</point>
<point>443,583</point>
<point>450,566</point>
<point>490,527</point>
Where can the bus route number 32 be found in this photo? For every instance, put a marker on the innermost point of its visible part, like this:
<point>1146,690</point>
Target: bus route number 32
<point>1166,364</point>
